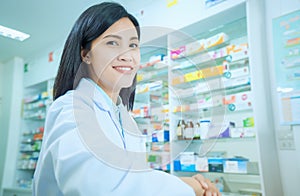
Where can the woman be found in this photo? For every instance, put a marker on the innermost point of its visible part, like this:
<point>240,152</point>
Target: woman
<point>91,144</point>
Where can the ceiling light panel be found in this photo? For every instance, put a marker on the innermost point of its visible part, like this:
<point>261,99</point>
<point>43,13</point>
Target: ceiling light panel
<point>13,34</point>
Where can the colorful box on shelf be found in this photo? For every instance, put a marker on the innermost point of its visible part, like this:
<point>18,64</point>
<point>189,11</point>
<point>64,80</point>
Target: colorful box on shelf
<point>177,80</point>
<point>235,82</point>
<point>198,46</point>
<point>222,52</point>
<point>176,165</point>
<point>157,110</point>
<point>200,74</point>
<point>195,47</point>
<point>38,136</point>
<point>154,61</point>
<point>235,165</point>
<point>221,130</point>
<point>136,113</point>
<point>249,132</point>
<point>38,104</point>
<point>236,56</point>
<point>152,86</point>
<point>36,115</point>
<point>205,57</point>
<point>182,65</point>
<point>187,161</point>
<point>215,164</point>
<point>144,76</point>
<point>154,161</point>
<point>212,71</point>
<point>192,76</point>
<point>156,126</point>
<point>139,77</point>
<point>37,97</point>
<point>181,108</point>
<point>151,75</point>
<point>239,101</point>
<point>178,52</point>
<point>215,40</point>
<point>292,42</point>
<point>235,73</point>
<point>242,132</point>
<point>229,99</point>
<point>201,164</point>
<point>142,88</point>
<point>233,48</point>
<point>185,92</point>
<point>142,112</point>
<point>204,103</point>
<point>248,122</point>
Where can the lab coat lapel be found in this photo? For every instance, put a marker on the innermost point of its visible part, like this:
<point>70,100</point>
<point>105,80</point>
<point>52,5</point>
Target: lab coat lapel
<point>101,100</point>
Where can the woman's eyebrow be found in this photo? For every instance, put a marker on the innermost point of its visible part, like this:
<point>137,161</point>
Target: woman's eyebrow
<point>133,38</point>
<point>113,36</point>
<point>119,37</point>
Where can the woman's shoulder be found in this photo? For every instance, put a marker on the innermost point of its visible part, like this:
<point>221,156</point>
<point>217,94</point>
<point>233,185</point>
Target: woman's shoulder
<point>61,102</point>
<point>69,100</point>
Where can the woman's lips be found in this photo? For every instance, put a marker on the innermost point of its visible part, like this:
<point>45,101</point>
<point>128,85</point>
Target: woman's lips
<point>123,69</point>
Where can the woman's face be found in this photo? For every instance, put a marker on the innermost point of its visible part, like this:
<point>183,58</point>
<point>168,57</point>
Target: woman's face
<point>115,56</point>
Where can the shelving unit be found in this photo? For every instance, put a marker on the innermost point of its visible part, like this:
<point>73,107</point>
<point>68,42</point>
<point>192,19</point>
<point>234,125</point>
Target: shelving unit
<point>208,79</point>
<point>215,83</point>
<point>37,99</point>
<point>151,106</point>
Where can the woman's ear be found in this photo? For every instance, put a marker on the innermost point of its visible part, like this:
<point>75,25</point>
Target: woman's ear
<point>85,56</point>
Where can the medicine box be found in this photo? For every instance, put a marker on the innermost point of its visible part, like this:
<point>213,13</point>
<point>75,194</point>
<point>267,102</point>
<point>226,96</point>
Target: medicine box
<point>235,165</point>
<point>202,164</point>
<point>187,161</point>
<point>215,164</point>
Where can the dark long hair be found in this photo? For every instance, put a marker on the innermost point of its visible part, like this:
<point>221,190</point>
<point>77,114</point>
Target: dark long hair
<point>89,26</point>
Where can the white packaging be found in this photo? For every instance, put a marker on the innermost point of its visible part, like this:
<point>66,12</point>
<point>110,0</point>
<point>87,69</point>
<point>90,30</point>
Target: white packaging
<point>202,164</point>
<point>204,128</point>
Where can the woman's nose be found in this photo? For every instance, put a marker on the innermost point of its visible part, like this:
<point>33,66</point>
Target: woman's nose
<point>125,57</point>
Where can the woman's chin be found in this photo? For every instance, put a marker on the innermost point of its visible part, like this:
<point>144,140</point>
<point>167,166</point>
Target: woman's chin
<point>126,83</point>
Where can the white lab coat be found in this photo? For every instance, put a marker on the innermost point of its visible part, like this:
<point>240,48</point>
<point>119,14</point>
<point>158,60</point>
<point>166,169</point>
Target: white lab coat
<point>76,159</point>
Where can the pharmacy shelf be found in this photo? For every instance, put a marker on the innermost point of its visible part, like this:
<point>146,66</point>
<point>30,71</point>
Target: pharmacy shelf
<point>208,112</point>
<point>186,97</point>
<point>36,101</point>
<point>192,65</point>
<point>226,140</point>
<point>191,173</point>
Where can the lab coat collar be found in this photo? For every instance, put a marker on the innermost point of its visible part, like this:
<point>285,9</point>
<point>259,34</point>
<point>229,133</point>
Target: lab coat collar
<point>89,88</point>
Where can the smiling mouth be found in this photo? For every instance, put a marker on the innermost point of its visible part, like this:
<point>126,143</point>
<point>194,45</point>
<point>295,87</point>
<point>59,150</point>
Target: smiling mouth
<point>123,69</point>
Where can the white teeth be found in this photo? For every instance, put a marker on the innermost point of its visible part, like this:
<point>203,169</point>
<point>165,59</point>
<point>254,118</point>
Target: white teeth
<point>124,68</point>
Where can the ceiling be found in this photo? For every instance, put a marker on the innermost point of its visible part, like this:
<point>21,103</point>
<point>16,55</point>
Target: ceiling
<point>48,23</point>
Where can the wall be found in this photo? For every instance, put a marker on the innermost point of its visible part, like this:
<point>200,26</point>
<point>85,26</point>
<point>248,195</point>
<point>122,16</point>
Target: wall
<point>3,133</point>
<point>289,160</point>
<point>43,66</point>
<point>12,77</point>
<point>156,13</point>
<point>39,69</point>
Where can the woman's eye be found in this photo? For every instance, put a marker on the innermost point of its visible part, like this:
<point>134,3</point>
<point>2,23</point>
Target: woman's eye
<point>113,43</point>
<point>133,45</point>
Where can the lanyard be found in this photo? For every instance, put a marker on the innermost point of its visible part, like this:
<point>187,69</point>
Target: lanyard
<point>122,130</point>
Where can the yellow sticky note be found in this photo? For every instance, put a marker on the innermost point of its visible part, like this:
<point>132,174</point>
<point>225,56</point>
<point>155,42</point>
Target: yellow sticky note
<point>170,3</point>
